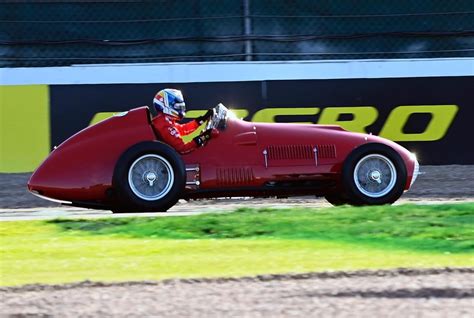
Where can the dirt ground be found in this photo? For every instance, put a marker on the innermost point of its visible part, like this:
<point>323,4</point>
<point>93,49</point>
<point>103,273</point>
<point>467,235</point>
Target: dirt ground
<point>395,293</point>
<point>454,182</point>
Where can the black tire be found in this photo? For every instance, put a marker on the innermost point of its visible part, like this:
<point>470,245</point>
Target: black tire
<point>386,155</point>
<point>172,172</point>
<point>336,199</point>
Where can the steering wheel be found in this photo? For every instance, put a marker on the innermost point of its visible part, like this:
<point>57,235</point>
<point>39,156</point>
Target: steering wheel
<point>218,117</point>
<point>211,121</point>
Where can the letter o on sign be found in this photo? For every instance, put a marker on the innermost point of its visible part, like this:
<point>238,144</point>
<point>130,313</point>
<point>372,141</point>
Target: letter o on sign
<point>441,118</point>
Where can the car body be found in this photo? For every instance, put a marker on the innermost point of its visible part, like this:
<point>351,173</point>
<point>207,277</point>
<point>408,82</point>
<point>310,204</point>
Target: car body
<point>99,166</point>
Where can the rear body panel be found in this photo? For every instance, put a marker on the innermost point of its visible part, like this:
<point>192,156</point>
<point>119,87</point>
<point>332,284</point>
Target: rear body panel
<point>81,168</point>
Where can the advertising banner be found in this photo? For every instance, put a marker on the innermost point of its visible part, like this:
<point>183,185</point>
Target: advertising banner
<point>429,116</point>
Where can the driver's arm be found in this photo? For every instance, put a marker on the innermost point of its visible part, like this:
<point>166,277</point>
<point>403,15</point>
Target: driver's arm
<point>188,128</point>
<point>173,138</point>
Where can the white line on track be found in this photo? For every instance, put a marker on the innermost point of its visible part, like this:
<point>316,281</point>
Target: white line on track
<point>184,208</point>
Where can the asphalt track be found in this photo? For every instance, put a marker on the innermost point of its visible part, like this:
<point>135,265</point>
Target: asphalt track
<point>436,184</point>
<point>184,208</point>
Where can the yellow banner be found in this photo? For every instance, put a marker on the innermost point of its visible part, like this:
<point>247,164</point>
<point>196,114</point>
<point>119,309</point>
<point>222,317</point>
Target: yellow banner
<point>24,127</point>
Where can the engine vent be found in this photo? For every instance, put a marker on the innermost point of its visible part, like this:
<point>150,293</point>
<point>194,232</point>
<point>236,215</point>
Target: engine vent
<point>326,151</point>
<point>286,152</point>
<point>234,176</point>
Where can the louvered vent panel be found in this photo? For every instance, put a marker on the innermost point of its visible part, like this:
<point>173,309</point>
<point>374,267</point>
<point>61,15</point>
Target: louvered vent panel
<point>234,176</point>
<point>286,152</point>
<point>326,151</point>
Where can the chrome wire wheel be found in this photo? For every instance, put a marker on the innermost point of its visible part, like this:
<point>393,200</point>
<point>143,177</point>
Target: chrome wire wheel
<point>151,177</point>
<point>375,175</point>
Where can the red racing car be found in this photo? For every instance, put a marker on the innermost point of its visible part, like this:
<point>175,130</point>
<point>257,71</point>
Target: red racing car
<point>120,164</point>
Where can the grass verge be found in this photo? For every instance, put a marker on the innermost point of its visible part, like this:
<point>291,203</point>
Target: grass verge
<point>246,242</point>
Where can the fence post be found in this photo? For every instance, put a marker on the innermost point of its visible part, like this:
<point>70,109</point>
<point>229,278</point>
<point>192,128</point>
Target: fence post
<point>247,30</point>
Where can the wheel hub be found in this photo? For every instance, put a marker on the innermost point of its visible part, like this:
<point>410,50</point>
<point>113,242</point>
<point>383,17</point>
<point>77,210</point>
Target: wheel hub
<point>150,177</point>
<point>376,176</point>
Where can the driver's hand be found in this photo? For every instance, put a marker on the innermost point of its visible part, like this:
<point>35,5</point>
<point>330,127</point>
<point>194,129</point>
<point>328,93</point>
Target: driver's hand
<point>201,119</point>
<point>202,139</point>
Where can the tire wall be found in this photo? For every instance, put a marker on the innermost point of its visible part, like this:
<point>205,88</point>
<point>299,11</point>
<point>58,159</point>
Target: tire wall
<point>430,115</point>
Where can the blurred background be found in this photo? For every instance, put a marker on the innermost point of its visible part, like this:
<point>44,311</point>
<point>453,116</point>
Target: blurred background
<point>62,33</point>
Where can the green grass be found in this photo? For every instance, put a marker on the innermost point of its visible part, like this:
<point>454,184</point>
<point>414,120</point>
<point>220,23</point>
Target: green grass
<point>246,242</point>
<point>443,228</point>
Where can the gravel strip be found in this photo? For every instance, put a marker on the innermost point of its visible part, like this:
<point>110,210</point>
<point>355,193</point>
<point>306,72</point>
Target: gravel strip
<point>392,293</point>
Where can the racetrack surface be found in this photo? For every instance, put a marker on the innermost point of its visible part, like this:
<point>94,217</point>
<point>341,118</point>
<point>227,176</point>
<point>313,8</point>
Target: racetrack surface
<point>436,184</point>
<point>394,293</point>
<point>184,208</point>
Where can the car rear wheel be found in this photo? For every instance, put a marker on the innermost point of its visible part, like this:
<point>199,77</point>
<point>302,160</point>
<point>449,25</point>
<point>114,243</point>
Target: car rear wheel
<point>149,176</point>
<point>374,174</point>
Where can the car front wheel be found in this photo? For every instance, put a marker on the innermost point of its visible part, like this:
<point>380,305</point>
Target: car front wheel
<point>374,174</point>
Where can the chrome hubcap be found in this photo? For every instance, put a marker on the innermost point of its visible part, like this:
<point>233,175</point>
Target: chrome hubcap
<point>151,177</point>
<point>375,175</point>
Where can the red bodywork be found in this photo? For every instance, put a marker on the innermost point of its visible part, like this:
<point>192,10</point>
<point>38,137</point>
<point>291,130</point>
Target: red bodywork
<point>251,159</point>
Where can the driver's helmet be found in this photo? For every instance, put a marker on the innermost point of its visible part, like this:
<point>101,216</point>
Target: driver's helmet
<point>171,102</point>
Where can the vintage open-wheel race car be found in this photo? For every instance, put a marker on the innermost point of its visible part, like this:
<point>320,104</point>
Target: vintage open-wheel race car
<point>120,164</point>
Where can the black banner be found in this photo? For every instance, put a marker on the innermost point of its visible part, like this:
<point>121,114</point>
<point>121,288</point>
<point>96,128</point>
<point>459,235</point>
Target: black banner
<point>429,116</point>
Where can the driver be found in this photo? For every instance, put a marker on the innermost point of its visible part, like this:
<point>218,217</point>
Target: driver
<point>169,103</point>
